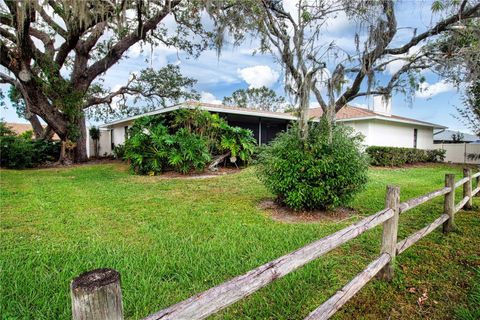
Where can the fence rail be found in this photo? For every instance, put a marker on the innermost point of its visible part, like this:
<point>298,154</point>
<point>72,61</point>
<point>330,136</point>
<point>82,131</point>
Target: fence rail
<point>92,285</point>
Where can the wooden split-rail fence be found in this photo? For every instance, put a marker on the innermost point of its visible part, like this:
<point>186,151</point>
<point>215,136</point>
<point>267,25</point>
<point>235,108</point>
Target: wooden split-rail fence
<point>96,295</point>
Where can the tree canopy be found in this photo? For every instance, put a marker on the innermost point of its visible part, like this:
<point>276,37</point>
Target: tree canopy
<point>261,98</point>
<point>334,74</point>
<point>56,52</point>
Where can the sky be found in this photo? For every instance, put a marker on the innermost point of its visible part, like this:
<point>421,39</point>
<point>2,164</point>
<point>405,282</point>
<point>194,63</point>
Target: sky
<point>237,68</point>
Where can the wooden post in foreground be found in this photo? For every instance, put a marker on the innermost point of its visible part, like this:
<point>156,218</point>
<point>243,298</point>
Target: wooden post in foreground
<point>477,185</point>
<point>390,230</point>
<point>449,203</point>
<point>467,189</point>
<point>96,295</point>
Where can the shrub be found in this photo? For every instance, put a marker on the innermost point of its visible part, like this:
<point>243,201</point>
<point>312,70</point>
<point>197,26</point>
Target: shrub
<point>20,153</point>
<point>147,147</point>
<point>187,142</point>
<point>392,156</point>
<point>436,155</point>
<point>119,151</point>
<point>315,173</point>
<point>16,152</point>
<point>238,141</point>
<point>188,152</point>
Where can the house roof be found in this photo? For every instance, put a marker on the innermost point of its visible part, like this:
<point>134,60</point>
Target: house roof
<point>350,113</point>
<point>209,107</point>
<point>446,135</point>
<point>346,114</point>
<point>20,128</point>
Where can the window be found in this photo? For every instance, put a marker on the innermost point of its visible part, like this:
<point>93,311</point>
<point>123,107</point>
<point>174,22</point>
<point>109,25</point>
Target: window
<point>112,145</point>
<point>415,135</point>
<point>126,132</point>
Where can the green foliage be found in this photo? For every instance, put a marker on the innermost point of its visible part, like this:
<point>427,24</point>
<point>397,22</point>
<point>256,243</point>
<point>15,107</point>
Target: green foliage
<point>27,135</point>
<point>470,113</point>
<point>261,98</point>
<point>314,173</point>
<point>458,137</point>
<point>238,141</point>
<point>472,310</point>
<point>5,130</point>
<point>119,151</point>
<point>18,152</point>
<point>205,220</point>
<point>188,152</point>
<point>392,156</point>
<point>146,91</point>
<point>436,155</point>
<point>186,142</point>
<point>94,133</point>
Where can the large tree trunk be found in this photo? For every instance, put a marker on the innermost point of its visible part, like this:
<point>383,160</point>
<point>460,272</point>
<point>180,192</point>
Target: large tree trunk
<point>36,125</point>
<point>80,153</point>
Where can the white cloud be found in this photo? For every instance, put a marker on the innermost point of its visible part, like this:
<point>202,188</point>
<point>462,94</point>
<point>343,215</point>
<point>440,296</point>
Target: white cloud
<point>429,90</point>
<point>394,66</point>
<point>259,76</point>
<point>208,97</point>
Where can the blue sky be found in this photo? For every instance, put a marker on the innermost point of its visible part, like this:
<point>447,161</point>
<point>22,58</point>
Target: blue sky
<point>237,68</point>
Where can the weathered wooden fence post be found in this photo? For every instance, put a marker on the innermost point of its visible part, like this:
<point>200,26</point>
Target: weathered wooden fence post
<point>96,295</point>
<point>449,203</point>
<point>477,185</point>
<point>390,230</point>
<point>467,188</point>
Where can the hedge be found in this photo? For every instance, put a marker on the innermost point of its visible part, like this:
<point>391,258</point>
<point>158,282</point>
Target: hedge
<point>392,156</point>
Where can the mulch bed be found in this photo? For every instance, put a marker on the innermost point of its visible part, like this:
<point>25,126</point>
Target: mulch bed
<point>281,213</point>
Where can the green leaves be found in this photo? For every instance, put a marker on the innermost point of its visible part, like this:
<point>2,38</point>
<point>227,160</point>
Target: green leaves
<point>186,143</point>
<point>314,174</point>
<point>261,98</point>
<point>437,6</point>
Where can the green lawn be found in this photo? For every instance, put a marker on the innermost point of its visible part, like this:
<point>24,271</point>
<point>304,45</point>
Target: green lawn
<point>170,239</point>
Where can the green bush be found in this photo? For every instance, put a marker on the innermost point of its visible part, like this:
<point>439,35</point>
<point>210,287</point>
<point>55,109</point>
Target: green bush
<point>436,155</point>
<point>315,174</point>
<point>147,147</point>
<point>15,152</point>
<point>119,151</point>
<point>184,142</point>
<point>188,152</point>
<point>392,156</point>
<point>238,141</point>
<point>20,153</point>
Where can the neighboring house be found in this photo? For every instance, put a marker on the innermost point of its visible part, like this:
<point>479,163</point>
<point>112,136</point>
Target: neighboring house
<point>446,136</point>
<point>379,126</point>
<point>20,128</point>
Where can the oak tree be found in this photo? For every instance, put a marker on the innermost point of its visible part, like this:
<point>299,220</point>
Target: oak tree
<point>54,52</point>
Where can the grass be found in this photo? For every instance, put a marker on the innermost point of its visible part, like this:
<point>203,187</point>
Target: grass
<point>170,239</point>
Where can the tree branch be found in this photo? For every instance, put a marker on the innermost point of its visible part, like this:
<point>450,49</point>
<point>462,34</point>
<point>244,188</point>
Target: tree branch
<point>116,52</point>
<point>58,29</point>
<point>372,56</point>
<point>472,12</point>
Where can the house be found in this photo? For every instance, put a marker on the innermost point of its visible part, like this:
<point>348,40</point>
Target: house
<point>379,126</point>
<point>446,136</point>
<point>20,128</point>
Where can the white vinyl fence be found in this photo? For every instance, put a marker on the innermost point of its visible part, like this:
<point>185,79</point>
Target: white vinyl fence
<point>459,152</point>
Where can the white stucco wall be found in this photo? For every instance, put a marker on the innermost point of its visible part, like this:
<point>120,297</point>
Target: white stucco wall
<point>362,127</point>
<point>393,134</point>
<point>103,144</point>
<point>106,140</point>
